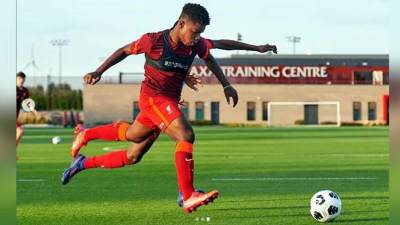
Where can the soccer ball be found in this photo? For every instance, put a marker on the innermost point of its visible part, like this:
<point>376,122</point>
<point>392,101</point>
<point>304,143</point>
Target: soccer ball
<point>325,206</point>
<point>56,140</point>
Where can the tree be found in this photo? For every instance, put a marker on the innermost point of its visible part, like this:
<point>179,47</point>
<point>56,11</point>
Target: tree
<point>56,97</point>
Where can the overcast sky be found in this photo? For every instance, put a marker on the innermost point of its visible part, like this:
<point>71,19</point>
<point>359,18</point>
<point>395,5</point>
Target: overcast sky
<point>96,28</point>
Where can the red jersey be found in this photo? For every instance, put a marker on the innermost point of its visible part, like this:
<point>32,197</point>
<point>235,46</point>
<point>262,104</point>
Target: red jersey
<point>167,63</point>
<point>22,94</point>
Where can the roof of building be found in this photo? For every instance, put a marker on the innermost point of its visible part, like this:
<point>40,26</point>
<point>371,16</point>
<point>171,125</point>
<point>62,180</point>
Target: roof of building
<point>310,60</point>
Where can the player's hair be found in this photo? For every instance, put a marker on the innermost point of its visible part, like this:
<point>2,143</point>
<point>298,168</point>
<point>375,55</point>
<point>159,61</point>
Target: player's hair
<point>21,74</point>
<point>196,13</point>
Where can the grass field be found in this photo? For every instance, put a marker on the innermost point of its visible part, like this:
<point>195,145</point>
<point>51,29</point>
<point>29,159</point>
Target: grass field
<point>265,176</point>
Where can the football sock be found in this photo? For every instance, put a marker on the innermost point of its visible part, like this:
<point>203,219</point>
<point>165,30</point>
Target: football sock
<point>184,167</point>
<point>110,160</point>
<point>110,132</point>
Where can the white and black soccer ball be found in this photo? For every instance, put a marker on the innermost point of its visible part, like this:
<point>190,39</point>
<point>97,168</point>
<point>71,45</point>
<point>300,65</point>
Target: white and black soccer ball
<point>325,206</point>
<point>56,140</point>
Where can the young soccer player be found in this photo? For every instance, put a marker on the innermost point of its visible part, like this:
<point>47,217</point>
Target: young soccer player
<point>22,94</point>
<point>169,55</point>
<point>138,150</point>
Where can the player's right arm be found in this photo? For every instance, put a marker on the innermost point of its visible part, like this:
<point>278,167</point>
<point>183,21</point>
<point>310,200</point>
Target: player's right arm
<point>116,57</point>
<point>141,45</point>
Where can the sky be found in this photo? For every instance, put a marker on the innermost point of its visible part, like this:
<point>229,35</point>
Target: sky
<point>96,28</point>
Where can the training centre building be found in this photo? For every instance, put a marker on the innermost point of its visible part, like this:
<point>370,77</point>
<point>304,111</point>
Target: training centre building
<point>273,90</point>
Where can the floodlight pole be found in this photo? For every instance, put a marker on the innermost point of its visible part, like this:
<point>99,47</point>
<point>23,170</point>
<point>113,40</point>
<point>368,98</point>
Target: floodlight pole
<point>60,43</point>
<point>294,40</point>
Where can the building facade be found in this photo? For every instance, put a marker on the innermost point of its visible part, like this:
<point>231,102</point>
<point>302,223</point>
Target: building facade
<point>355,89</point>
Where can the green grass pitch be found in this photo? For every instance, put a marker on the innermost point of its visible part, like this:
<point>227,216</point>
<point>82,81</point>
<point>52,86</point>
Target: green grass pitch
<point>264,175</point>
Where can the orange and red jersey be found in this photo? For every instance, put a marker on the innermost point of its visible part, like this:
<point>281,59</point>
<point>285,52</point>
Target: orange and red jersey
<point>167,63</point>
<point>22,94</point>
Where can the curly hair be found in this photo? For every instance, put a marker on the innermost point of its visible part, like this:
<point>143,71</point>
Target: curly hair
<point>196,13</point>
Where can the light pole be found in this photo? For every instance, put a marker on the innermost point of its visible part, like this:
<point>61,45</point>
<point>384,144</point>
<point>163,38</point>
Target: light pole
<point>294,39</point>
<point>239,38</point>
<point>59,43</point>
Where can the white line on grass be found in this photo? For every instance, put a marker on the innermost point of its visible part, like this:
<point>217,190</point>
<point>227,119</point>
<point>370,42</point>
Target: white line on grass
<point>35,158</point>
<point>357,155</point>
<point>31,180</point>
<point>293,178</point>
<point>112,148</point>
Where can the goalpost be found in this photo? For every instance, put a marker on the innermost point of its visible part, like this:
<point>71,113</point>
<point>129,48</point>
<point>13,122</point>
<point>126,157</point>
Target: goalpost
<point>294,113</point>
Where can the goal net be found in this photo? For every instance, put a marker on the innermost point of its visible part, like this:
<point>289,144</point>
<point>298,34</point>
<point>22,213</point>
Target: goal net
<point>314,114</point>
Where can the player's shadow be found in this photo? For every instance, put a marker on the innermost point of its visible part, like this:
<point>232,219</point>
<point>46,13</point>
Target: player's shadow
<point>359,220</point>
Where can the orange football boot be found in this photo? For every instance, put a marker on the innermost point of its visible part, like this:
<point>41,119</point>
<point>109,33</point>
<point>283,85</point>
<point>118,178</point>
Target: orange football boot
<point>79,140</point>
<point>198,199</point>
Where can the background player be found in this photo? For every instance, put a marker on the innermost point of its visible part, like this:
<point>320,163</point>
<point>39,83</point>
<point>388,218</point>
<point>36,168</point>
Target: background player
<point>22,94</point>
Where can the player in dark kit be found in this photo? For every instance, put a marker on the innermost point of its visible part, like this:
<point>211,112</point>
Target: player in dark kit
<point>169,55</point>
<point>22,94</point>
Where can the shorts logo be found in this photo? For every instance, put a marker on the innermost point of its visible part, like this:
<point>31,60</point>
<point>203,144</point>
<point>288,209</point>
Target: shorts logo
<point>169,110</point>
<point>161,125</point>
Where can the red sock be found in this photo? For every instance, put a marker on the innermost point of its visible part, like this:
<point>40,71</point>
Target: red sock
<point>184,168</point>
<point>110,160</point>
<point>110,132</point>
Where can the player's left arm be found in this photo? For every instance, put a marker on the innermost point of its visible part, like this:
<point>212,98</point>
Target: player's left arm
<point>226,44</point>
<point>229,91</point>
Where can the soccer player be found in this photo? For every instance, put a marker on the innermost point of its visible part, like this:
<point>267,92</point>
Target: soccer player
<point>138,150</point>
<point>169,55</point>
<point>22,94</point>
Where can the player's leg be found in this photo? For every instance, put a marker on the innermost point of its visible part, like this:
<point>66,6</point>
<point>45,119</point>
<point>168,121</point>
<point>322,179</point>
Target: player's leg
<point>182,133</point>
<point>19,132</point>
<point>116,159</point>
<point>110,132</point>
<point>123,157</point>
<point>137,151</point>
<point>165,113</point>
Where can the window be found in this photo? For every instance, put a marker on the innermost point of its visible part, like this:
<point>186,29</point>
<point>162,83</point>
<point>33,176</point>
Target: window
<point>135,109</point>
<point>356,111</point>
<point>310,114</point>
<point>185,109</point>
<point>371,110</point>
<point>265,111</point>
<point>199,111</point>
<point>363,77</point>
<point>251,111</point>
<point>215,113</point>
